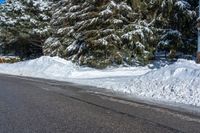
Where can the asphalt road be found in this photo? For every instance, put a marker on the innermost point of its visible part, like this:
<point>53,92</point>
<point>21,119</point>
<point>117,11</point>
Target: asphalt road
<point>44,106</point>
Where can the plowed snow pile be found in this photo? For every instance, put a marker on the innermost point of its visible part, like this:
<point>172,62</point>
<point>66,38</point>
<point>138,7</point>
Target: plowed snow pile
<point>179,82</point>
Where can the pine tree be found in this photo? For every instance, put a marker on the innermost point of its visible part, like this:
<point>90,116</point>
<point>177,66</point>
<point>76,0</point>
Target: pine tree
<point>24,22</point>
<point>99,33</point>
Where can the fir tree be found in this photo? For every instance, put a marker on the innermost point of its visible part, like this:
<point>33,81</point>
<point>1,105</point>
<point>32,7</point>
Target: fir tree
<point>99,33</point>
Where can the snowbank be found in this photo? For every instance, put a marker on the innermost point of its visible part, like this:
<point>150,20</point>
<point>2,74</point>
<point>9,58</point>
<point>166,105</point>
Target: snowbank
<point>57,68</point>
<point>179,82</point>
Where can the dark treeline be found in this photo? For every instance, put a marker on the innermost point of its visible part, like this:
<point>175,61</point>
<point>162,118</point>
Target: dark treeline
<point>99,33</point>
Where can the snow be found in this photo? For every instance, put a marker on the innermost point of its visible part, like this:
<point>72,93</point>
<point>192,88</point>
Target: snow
<point>102,41</point>
<point>106,12</point>
<point>117,21</point>
<point>183,5</point>
<point>72,47</point>
<point>175,83</point>
<point>48,67</point>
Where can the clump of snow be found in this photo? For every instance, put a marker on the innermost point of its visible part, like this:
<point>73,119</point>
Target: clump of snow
<point>176,83</point>
<point>61,69</point>
<point>179,82</point>
<point>44,67</point>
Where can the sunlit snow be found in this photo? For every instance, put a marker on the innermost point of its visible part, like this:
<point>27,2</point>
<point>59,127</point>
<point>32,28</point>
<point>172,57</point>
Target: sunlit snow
<point>176,83</point>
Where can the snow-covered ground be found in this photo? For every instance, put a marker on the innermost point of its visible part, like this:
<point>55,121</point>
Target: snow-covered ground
<point>176,83</point>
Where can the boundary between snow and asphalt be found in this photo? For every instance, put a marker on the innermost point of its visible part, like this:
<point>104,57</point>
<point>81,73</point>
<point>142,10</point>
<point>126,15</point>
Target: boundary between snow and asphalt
<point>176,118</point>
<point>177,107</point>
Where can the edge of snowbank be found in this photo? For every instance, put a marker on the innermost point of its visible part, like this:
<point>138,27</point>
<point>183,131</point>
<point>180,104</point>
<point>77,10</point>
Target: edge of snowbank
<point>177,83</point>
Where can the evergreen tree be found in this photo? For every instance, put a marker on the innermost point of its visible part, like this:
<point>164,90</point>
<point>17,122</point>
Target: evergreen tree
<point>99,33</point>
<point>24,22</point>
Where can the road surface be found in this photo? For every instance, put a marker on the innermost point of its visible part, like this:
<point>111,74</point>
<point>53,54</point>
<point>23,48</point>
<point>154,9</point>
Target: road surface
<point>30,105</point>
